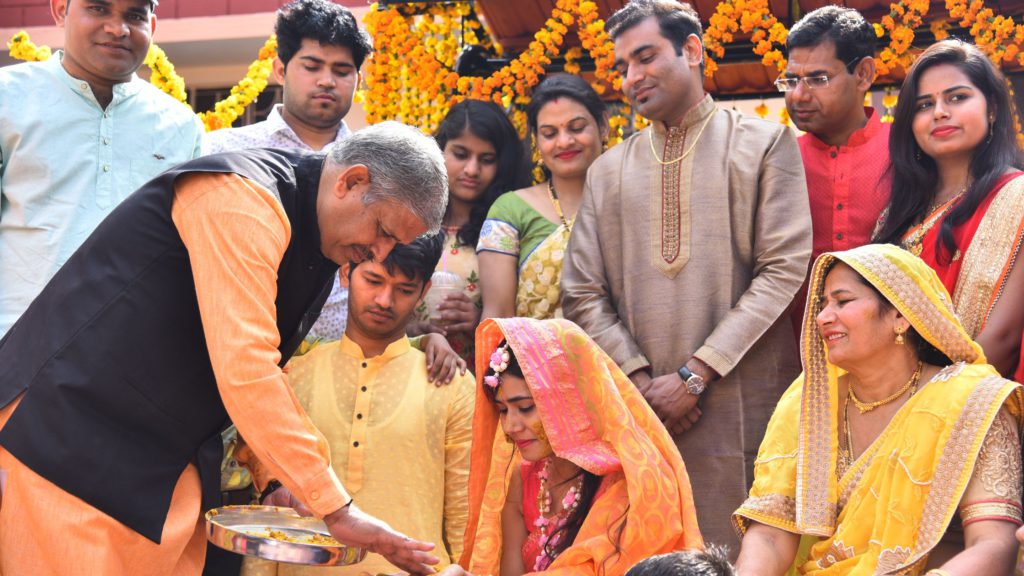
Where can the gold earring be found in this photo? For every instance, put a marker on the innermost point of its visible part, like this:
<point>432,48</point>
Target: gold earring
<point>899,337</point>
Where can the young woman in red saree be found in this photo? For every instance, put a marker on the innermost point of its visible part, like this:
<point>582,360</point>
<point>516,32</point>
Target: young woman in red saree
<point>958,195</point>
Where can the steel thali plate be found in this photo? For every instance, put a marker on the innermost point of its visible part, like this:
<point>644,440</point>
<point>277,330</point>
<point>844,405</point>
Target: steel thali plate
<point>277,534</point>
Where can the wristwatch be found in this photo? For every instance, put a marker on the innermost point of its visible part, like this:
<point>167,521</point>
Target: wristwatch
<point>694,383</point>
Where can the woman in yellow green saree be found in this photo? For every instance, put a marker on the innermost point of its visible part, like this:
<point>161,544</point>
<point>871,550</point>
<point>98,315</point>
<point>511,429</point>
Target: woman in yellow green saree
<point>523,240</point>
<point>897,430</point>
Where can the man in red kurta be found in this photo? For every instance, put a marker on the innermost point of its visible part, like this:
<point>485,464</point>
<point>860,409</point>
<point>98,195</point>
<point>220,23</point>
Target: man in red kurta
<point>846,146</point>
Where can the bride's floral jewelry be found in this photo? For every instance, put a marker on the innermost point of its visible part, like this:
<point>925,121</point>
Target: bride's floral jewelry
<point>548,526</point>
<point>499,363</point>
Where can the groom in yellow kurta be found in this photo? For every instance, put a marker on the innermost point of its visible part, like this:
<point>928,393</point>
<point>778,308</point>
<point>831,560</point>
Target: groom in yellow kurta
<point>399,444</point>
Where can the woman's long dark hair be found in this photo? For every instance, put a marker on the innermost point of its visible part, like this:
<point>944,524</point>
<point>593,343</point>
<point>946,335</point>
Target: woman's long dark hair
<point>487,121</point>
<point>915,174</point>
<point>566,533</point>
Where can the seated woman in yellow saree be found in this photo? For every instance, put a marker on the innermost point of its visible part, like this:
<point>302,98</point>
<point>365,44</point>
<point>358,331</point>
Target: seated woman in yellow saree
<point>581,478</point>
<point>896,427</point>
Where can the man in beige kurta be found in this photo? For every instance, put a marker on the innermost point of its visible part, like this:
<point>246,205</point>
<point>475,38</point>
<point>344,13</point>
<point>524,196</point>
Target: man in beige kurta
<point>692,239</point>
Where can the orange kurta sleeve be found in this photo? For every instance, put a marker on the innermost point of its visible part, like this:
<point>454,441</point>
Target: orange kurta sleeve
<point>236,233</point>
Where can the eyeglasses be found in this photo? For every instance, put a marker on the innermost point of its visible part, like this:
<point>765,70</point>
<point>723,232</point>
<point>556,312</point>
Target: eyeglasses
<point>789,83</point>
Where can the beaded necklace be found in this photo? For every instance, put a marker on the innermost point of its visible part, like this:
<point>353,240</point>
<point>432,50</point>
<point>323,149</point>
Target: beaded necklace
<point>553,194</point>
<point>549,526</point>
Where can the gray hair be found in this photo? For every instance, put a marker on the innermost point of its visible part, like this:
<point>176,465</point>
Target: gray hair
<point>711,562</point>
<point>405,165</point>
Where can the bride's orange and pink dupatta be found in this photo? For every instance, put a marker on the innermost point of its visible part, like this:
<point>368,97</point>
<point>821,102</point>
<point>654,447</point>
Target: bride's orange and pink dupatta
<point>594,417</point>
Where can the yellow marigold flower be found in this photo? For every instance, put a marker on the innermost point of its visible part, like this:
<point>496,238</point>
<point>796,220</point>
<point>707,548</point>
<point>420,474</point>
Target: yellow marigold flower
<point>710,67</point>
<point>879,31</point>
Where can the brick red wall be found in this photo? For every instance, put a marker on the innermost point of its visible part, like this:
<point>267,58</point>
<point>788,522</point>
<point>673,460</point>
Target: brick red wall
<point>25,13</point>
<point>15,13</point>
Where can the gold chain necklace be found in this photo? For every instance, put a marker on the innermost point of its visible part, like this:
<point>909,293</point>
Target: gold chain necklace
<point>846,452</point>
<point>869,406</point>
<point>650,138</point>
<point>935,205</point>
<point>914,241</point>
<point>556,203</point>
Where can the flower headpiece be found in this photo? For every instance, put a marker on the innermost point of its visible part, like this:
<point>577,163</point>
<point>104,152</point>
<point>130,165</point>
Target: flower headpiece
<point>499,363</point>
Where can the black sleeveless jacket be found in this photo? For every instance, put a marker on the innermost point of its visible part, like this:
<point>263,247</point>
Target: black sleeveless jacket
<point>119,392</point>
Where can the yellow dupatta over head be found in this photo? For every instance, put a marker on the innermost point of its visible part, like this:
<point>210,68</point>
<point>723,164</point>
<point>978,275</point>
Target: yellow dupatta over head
<point>594,417</point>
<point>895,502</point>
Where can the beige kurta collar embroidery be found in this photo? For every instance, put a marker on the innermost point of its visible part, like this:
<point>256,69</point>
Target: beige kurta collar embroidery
<point>670,198</point>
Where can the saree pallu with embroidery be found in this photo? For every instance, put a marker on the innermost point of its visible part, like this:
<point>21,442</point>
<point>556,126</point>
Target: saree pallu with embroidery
<point>540,276</point>
<point>594,417</point>
<point>989,243</point>
<point>892,506</point>
<point>515,228</point>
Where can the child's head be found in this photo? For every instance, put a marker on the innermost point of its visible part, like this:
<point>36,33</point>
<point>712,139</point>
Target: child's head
<point>711,562</point>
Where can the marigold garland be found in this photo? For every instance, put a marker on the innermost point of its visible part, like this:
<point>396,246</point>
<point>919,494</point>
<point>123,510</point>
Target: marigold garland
<point>417,46</point>
<point>903,17</point>
<point>163,75</point>
<point>407,64</point>
<point>998,36</point>
<point>939,29</point>
<point>245,92</point>
<point>752,17</point>
<point>21,48</point>
<point>889,101</point>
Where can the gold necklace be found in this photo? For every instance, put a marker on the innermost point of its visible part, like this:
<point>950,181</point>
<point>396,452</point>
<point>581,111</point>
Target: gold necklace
<point>650,138</point>
<point>556,203</point>
<point>935,205</point>
<point>846,452</point>
<point>869,406</point>
<point>914,241</point>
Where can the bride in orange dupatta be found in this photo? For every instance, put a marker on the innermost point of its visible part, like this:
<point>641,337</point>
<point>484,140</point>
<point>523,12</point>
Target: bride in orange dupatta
<point>571,471</point>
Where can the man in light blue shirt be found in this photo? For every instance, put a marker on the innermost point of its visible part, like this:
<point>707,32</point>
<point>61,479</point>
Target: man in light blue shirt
<point>78,134</point>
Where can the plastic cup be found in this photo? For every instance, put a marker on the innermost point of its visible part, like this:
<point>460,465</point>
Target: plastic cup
<point>441,285</point>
